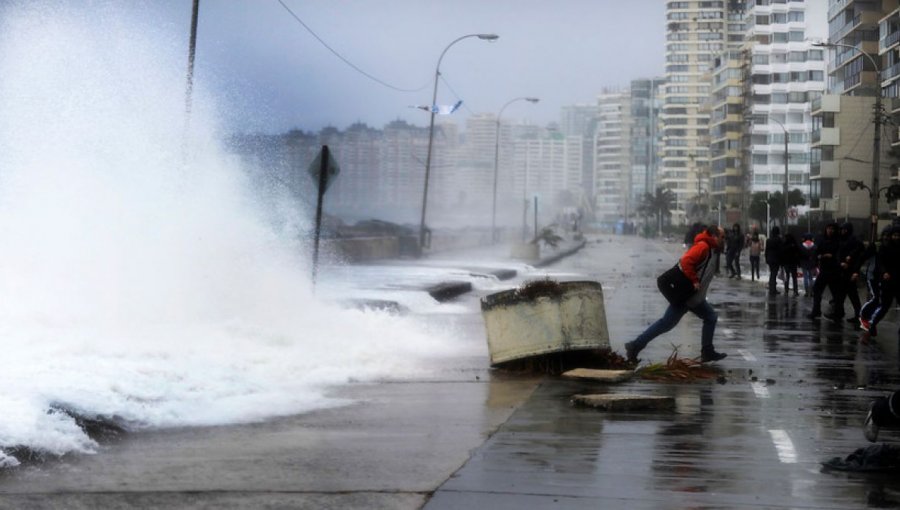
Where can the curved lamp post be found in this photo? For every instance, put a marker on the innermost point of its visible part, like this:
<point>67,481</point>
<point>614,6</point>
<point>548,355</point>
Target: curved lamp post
<point>876,141</point>
<point>497,163</point>
<point>437,74</point>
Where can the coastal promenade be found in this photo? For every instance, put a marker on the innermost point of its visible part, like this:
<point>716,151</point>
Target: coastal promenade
<point>792,394</point>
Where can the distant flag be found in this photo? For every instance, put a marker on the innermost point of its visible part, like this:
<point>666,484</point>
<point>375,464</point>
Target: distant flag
<point>441,109</point>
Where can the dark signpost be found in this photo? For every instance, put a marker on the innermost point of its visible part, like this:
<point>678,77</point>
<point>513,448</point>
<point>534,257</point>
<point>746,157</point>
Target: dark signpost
<point>323,170</point>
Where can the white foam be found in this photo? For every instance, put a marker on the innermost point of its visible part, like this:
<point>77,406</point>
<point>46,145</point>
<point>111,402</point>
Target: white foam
<point>135,283</point>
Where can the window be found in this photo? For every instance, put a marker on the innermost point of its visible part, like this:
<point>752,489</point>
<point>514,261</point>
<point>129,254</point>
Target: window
<point>796,35</point>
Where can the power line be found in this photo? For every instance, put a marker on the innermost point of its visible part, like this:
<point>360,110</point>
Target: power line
<point>466,106</point>
<point>338,55</point>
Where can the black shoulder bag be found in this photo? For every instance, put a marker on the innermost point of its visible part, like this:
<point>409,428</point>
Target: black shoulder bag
<point>675,286</point>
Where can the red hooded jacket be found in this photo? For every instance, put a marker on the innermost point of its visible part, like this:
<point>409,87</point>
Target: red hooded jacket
<point>697,254</point>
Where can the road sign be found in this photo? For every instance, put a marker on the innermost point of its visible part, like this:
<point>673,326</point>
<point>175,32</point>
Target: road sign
<point>331,168</point>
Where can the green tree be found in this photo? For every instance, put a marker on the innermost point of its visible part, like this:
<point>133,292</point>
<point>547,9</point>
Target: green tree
<point>775,202</point>
<point>658,204</point>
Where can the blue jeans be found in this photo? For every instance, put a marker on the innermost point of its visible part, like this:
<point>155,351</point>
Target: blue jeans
<point>673,316</point>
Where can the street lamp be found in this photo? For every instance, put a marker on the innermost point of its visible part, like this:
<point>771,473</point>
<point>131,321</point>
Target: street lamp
<point>787,157</point>
<point>876,141</point>
<point>891,192</point>
<point>786,160</point>
<point>437,74</point>
<point>497,163</point>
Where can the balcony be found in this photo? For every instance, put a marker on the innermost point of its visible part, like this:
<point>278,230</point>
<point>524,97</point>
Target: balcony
<point>889,41</point>
<point>829,170</point>
<point>890,72</point>
<point>826,103</point>
<point>827,136</point>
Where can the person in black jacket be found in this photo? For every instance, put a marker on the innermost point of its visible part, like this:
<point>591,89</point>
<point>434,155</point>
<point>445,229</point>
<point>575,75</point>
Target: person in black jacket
<point>773,252</point>
<point>790,259</point>
<point>888,276</point>
<point>829,270</point>
<point>850,254</point>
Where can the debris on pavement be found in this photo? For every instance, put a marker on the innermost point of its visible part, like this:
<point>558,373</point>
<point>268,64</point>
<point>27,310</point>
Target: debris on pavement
<point>600,375</point>
<point>678,369</point>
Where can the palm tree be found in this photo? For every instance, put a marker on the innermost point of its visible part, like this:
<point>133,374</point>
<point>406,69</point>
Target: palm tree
<point>658,205</point>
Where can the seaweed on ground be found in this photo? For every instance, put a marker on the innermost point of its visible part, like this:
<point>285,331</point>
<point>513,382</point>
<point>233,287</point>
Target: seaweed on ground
<point>678,369</point>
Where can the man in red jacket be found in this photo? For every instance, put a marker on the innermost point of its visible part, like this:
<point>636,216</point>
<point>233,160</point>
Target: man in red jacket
<point>699,265</point>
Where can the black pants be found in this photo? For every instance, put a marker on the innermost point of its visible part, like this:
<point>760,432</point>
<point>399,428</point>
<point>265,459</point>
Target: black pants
<point>825,279</point>
<point>790,273</point>
<point>773,278</point>
<point>846,288</point>
<point>733,263</point>
<point>754,267</point>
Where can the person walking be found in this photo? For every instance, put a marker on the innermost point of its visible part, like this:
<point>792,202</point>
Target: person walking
<point>808,263</point>
<point>734,246</point>
<point>698,264</point>
<point>755,250</point>
<point>850,253</point>
<point>790,258</point>
<point>887,274</point>
<point>829,270</point>
<point>773,252</point>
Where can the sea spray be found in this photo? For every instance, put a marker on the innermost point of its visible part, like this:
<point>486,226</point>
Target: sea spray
<point>141,282</point>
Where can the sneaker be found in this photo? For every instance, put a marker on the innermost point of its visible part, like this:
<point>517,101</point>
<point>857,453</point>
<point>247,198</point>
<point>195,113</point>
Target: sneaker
<point>864,324</point>
<point>631,352</point>
<point>711,355</point>
<point>870,430</point>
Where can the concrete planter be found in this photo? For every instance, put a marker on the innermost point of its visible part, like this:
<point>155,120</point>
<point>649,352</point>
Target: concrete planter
<point>526,251</point>
<point>519,327</point>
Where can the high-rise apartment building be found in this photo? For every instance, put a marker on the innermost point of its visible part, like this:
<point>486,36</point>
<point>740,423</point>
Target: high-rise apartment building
<point>612,165</point>
<point>864,61</point>
<point>786,74</point>
<point>645,137</point>
<point>726,128</point>
<point>547,165</point>
<point>696,31</point>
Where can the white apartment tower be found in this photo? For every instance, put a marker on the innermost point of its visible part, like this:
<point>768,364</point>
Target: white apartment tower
<point>612,165</point>
<point>786,74</point>
<point>696,31</point>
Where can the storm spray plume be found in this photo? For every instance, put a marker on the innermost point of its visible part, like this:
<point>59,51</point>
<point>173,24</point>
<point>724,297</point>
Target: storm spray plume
<point>135,285</point>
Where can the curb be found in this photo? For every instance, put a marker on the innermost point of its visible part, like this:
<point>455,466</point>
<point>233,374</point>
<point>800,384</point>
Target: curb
<point>446,291</point>
<point>559,256</point>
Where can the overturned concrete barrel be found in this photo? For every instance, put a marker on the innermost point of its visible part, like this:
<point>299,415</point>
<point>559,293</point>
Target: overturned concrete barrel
<point>545,317</point>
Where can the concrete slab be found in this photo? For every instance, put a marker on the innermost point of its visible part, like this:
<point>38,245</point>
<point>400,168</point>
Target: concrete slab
<point>600,375</point>
<point>624,402</point>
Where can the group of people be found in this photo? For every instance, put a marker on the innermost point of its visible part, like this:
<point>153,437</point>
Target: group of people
<point>783,255</point>
<point>835,260</point>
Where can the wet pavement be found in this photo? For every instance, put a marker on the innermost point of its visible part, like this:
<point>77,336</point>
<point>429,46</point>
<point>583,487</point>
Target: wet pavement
<point>794,394</point>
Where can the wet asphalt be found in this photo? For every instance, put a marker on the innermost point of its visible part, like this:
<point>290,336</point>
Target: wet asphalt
<point>793,393</point>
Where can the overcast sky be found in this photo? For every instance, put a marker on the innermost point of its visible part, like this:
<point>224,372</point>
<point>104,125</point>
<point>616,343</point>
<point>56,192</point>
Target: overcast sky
<point>271,74</point>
